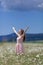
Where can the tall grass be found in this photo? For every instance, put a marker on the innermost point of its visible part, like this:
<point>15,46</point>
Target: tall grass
<point>33,54</point>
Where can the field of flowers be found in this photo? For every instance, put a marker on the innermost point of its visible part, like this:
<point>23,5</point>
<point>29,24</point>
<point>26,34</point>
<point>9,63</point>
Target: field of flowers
<point>33,54</point>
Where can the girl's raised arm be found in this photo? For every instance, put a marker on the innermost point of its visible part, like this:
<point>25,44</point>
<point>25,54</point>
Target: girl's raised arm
<point>26,29</point>
<point>15,31</point>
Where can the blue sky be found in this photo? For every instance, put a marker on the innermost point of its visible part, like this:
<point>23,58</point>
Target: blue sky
<point>21,14</point>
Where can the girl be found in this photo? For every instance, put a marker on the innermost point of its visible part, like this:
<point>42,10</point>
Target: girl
<point>20,39</point>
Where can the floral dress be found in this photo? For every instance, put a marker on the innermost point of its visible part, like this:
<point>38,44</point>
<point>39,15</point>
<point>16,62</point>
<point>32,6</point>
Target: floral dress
<point>19,45</point>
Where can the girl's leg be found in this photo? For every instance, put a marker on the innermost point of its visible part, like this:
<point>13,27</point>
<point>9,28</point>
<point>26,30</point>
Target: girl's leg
<point>17,49</point>
<point>21,50</point>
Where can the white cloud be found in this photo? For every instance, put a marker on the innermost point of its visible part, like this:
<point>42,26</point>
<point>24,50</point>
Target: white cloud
<point>21,4</point>
<point>40,5</point>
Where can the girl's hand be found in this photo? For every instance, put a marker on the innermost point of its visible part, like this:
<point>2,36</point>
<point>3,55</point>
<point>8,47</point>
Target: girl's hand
<point>13,28</point>
<point>15,31</point>
<point>26,29</point>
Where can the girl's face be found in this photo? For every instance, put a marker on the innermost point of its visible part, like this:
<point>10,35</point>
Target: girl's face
<point>21,32</point>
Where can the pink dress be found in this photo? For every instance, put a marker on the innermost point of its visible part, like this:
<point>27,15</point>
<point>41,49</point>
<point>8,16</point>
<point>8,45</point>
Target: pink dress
<point>19,45</point>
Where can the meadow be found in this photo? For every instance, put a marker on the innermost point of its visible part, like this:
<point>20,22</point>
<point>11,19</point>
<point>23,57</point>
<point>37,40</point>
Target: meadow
<point>33,54</point>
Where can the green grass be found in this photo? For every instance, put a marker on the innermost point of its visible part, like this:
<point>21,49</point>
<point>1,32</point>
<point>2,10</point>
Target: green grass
<point>33,54</point>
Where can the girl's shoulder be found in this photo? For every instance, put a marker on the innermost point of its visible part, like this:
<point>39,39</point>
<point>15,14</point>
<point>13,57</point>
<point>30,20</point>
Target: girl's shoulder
<point>19,37</point>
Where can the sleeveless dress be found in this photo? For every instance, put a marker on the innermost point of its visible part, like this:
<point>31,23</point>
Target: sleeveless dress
<point>19,45</point>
